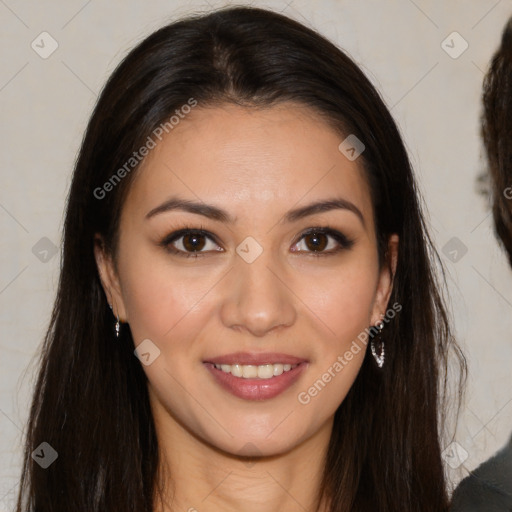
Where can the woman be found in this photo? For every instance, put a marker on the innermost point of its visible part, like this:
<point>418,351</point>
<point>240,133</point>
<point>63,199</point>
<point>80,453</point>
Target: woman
<point>244,213</point>
<point>489,487</point>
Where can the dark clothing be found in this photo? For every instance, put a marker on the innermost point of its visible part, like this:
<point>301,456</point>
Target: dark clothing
<point>489,487</point>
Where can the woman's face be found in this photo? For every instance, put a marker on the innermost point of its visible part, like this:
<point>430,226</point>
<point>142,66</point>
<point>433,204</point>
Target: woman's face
<point>254,283</point>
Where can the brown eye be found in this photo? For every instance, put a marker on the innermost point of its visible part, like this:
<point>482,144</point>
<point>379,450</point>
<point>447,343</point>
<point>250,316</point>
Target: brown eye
<point>316,241</point>
<point>193,242</point>
<point>190,242</point>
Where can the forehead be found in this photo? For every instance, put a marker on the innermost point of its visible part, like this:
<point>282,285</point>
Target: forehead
<point>250,161</point>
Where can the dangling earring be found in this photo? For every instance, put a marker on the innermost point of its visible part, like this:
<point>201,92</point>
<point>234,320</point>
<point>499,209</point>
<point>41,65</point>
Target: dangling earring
<point>379,358</point>
<point>118,325</point>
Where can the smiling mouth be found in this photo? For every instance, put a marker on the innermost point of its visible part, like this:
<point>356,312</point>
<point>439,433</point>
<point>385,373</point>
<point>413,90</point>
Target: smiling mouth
<point>249,371</point>
<point>256,382</point>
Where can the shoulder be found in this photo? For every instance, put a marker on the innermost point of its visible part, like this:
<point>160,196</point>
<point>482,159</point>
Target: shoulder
<point>489,487</point>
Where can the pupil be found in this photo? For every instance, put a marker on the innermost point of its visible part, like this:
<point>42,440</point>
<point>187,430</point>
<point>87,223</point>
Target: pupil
<point>316,243</point>
<point>191,243</point>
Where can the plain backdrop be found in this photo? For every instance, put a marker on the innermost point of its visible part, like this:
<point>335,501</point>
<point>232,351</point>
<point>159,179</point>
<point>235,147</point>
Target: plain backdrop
<point>413,51</point>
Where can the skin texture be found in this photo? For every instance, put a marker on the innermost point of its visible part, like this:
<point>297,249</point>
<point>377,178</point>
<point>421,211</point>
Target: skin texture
<point>256,165</point>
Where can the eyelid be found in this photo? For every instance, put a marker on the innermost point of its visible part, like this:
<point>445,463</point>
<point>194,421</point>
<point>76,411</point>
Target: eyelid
<point>344,242</point>
<point>180,233</point>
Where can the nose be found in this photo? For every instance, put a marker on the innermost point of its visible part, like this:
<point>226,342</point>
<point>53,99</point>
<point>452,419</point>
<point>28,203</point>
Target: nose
<point>259,297</point>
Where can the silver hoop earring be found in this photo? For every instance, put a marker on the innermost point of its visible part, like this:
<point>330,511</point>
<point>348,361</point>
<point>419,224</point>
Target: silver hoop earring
<point>379,357</point>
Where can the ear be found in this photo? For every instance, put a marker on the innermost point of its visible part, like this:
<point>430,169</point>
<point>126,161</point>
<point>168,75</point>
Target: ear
<point>109,278</point>
<point>385,283</point>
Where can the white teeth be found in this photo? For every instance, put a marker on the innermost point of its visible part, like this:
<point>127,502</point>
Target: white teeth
<point>249,371</point>
<point>278,369</point>
<point>266,371</point>
<point>236,369</point>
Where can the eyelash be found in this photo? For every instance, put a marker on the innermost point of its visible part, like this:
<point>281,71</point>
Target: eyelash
<point>344,242</point>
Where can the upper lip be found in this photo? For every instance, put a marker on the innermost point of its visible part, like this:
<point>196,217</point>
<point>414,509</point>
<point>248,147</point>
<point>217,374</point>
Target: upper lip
<point>247,358</point>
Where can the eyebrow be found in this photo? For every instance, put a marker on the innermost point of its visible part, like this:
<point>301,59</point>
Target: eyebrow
<point>216,213</point>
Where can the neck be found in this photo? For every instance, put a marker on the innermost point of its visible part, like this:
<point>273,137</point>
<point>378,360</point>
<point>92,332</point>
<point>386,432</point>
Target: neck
<point>196,476</point>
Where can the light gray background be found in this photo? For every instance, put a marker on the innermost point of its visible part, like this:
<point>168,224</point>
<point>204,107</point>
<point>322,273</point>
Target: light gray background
<point>45,104</point>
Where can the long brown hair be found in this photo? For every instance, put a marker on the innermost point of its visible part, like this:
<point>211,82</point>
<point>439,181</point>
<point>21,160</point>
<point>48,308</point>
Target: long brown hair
<point>497,136</point>
<point>91,402</point>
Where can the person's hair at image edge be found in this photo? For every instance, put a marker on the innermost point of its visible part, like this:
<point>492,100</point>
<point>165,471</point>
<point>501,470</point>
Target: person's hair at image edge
<point>489,486</point>
<point>91,401</point>
<point>497,136</point>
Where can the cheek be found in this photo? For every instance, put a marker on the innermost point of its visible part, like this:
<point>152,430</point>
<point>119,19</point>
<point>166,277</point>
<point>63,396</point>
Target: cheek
<point>156,289</point>
<point>340,301</point>
<point>341,311</point>
<point>159,301</point>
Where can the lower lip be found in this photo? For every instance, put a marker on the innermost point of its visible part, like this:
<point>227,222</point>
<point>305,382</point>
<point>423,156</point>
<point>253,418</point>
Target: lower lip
<point>256,389</point>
